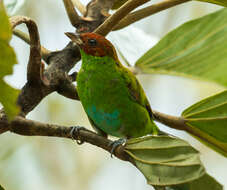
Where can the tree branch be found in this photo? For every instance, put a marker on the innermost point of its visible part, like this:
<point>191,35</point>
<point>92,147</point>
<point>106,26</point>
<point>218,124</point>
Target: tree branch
<point>34,64</point>
<point>71,12</point>
<point>110,22</point>
<point>54,77</point>
<point>44,52</point>
<point>95,14</point>
<point>180,123</point>
<point>79,6</point>
<point>23,36</point>
<point>171,121</point>
<point>42,82</point>
<point>145,12</point>
<point>27,127</point>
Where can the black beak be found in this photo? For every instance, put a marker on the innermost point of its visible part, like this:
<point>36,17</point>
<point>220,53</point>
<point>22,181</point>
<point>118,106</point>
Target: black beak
<point>75,38</point>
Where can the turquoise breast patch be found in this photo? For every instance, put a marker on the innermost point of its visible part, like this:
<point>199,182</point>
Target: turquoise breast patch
<point>108,122</point>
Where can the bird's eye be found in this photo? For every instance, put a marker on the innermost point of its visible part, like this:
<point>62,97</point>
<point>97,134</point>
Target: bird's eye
<point>92,42</point>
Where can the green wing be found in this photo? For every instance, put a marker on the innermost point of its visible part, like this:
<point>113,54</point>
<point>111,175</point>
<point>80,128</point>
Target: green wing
<point>136,91</point>
<point>138,95</point>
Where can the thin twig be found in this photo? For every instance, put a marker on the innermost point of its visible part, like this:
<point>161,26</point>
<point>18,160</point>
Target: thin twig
<point>111,22</point>
<point>79,6</point>
<point>145,12</point>
<point>171,121</point>
<point>28,127</point>
<point>34,64</point>
<point>68,89</point>
<point>71,12</point>
<point>180,123</point>
<point>96,13</point>
<point>23,36</point>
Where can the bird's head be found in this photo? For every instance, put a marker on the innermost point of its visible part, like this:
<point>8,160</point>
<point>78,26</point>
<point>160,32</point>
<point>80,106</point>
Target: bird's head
<point>93,44</point>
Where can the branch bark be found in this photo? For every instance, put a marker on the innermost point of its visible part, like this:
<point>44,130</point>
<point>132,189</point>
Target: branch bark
<point>171,121</point>
<point>23,36</point>
<point>55,77</point>
<point>110,22</point>
<point>79,6</point>
<point>27,127</point>
<point>147,11</point>
<point>34,63</point>
<point>71,12</point>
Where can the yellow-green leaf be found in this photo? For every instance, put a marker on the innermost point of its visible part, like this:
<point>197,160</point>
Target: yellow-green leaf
<point>206,182</point>
<point>195,49</point>
<point>165,160</point>
<point>207,120</point>
<point>1,188</point>
<point>218,2</point>
<point>8,95</point>
<point>5,33</point>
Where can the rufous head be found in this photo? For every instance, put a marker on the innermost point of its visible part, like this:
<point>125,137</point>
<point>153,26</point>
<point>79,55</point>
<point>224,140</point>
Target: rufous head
<point>93,44</point>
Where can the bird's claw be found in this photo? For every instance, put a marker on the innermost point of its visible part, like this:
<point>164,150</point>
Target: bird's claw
<point>74,134</point>
<point>115,144</point>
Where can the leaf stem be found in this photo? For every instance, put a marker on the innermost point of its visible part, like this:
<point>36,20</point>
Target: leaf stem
<point>79,6</point>
<point>34,64</point>
<point>171,121</point>
<point>110,22</point>
<point>23,36</point>
<point>145,12</point>
<point>71,12</point>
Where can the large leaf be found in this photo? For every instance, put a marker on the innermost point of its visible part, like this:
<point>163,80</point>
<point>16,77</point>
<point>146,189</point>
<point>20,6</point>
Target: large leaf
<point>165,160</point>
<point>218,2</point>
<point>207,120</point>
<point>195,49</point>
<point>8,95</point>
<point>206,182</point>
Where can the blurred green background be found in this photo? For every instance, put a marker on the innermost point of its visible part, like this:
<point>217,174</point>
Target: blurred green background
<point>55,164</point>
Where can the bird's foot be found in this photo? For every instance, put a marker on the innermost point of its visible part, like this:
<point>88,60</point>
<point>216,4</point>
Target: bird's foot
<point>115,144</point>
<point>74,134</point>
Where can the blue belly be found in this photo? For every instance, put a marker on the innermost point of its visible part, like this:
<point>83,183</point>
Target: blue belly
<point>108,122</point>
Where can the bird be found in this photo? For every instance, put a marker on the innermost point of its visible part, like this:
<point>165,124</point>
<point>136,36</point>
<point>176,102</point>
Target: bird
<point>110,93</point>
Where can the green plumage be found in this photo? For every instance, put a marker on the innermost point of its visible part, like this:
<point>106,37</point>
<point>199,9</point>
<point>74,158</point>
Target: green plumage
<point>113,98</point>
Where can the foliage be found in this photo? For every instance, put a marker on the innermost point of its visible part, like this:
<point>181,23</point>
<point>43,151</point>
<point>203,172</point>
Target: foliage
<point>165,160</point>
<point>195,49</point>
<point>170,161</point>
<point>207,119</point>
<point>205,182</point>
<point>8,95</point>
<point>223,3</point>
<point>218,2</point>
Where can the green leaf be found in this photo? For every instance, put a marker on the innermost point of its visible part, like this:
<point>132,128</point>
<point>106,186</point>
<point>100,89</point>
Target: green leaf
<point>5,30</point>
<point>1,188</point>
<point>165,160</point>
<point>207,120</point>
<point>196,49</point>
<point>205,182</point>
<point>218,2</point>
<point>8,95</point>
